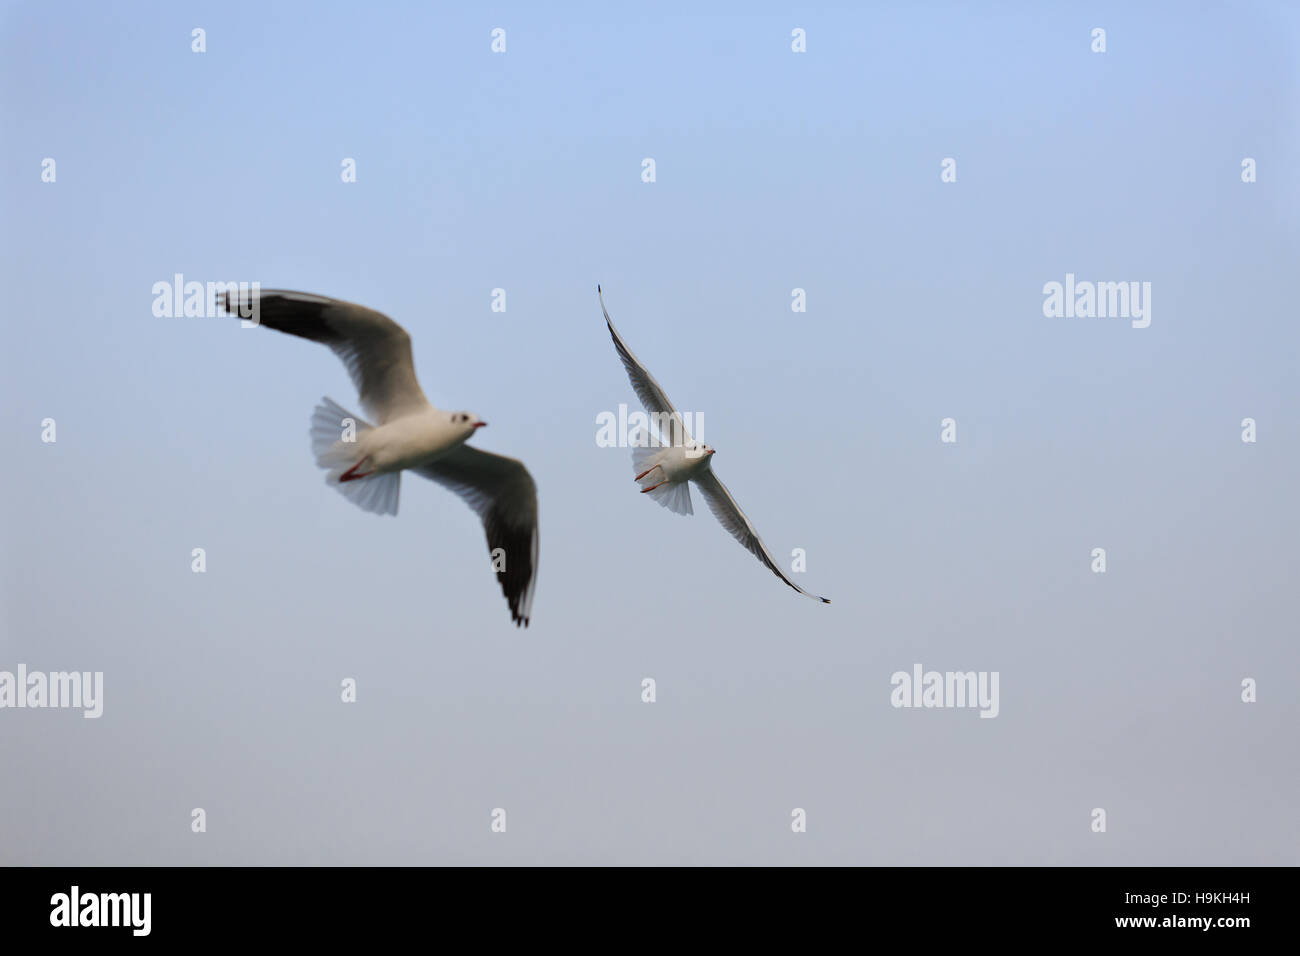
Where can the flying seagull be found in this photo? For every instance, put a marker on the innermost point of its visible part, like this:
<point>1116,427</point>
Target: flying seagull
<point>666,471</point>
<point>365,462</point>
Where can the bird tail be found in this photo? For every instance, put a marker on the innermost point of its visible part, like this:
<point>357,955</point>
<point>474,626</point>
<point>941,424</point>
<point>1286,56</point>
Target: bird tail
<point>335,441</point>
<point>675,496</point>
<point>644,448</point>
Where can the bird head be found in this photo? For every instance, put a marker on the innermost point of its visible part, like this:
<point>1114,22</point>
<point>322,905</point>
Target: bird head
<point>467,422</point>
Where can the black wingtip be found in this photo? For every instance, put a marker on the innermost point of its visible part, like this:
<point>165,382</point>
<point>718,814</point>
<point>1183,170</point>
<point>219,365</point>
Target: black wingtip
<point>826,600</point>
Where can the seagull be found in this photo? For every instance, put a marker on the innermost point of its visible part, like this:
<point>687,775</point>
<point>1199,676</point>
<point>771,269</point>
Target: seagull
<point>665,471</point>
<point>365,462</point>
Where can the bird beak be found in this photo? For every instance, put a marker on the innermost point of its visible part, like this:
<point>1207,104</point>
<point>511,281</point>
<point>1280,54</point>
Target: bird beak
<point>713,451</point>
<point>480,424</point>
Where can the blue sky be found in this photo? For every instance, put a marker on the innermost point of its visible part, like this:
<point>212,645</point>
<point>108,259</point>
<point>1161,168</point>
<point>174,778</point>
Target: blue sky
<point>774,171</point>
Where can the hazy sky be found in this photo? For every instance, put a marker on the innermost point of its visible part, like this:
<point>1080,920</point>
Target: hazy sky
<point>774,170</point>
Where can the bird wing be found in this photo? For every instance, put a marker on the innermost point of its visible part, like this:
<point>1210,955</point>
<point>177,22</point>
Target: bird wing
<point>647,389</point>
<point>730,516</point>
<point>374,348</point>
<point>504,496</point>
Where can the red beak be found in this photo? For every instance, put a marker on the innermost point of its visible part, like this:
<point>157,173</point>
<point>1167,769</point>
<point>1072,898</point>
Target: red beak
<point>480,424</point>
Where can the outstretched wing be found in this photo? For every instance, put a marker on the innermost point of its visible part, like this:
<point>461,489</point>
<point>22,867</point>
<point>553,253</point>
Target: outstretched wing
<point>647,389</point>
<point>374,348</point>
<point>504,496</point>
<point>728,513</point>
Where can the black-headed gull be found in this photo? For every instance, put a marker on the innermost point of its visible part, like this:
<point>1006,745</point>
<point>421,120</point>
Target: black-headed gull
<point>665,471</point>
<point>365,462</point>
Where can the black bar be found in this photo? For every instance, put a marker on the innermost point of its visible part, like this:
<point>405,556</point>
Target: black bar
<point>332,904</point>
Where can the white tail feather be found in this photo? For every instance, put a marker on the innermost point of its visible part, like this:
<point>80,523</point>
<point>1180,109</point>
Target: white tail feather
<point>675,496</point>
<point>644,450</point>
<point>377,494</point>
<point>330,422</point>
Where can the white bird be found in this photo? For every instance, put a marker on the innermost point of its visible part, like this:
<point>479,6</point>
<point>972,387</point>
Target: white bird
<point>365,462</point>
<point>666,471</point>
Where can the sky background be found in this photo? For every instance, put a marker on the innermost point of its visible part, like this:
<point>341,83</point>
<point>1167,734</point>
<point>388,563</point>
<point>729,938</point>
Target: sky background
<point>775,170</point>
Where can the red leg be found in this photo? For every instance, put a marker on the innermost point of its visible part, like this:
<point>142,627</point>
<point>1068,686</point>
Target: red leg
<point>351,473</point>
